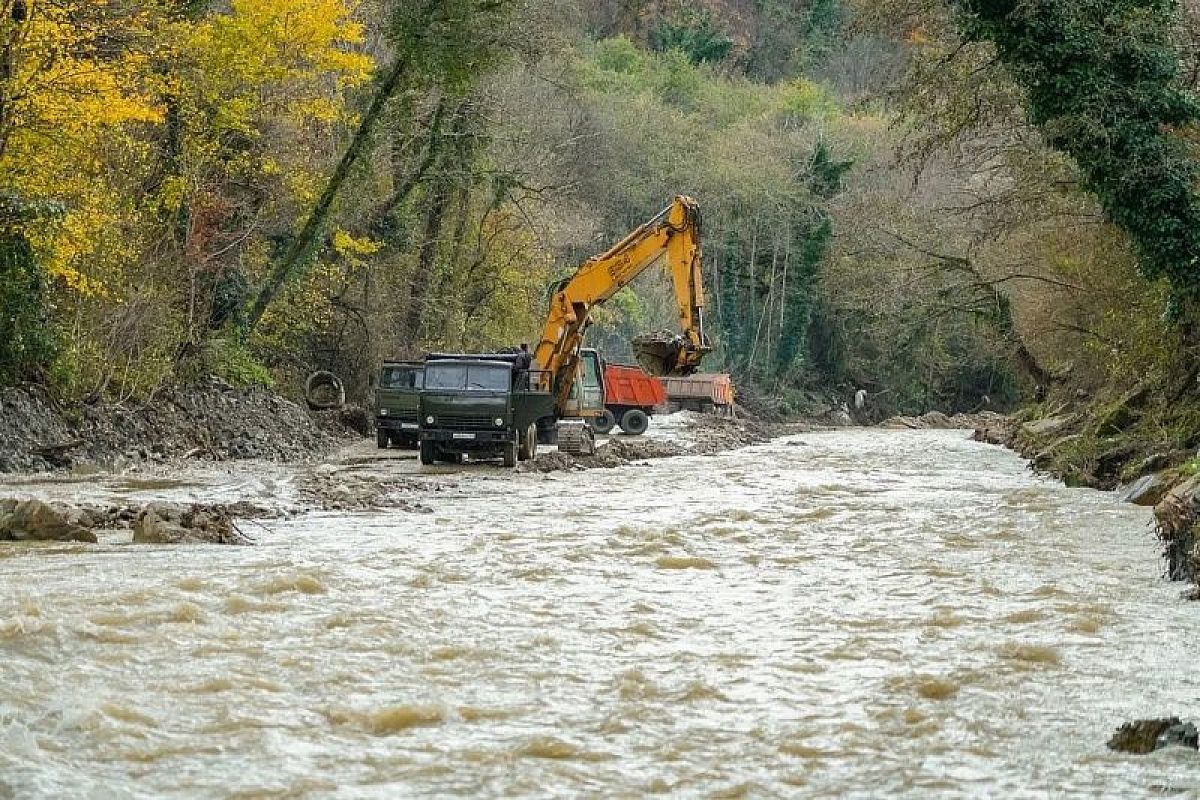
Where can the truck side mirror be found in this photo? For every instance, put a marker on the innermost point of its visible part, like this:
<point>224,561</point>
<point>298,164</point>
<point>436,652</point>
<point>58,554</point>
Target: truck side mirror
<point>371,380</point>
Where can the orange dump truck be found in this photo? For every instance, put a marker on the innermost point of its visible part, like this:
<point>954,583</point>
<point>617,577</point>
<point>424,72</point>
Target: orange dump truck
<point>630,397</point>
<point>707,392</point>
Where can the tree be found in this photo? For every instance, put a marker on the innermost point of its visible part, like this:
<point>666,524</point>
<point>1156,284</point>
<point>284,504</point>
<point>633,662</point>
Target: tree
<point>1102,84</point>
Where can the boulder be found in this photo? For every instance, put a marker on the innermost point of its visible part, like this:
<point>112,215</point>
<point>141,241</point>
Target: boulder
<point>166,523</point>
<point>1147,735</point>
<point>1176,516</point>
<point>1046,427</point>
<point>1146,490</point>
<point>34,520</point>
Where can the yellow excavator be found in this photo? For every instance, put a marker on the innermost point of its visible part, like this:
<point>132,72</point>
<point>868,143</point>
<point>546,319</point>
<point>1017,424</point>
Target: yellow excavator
<point>575,374</point>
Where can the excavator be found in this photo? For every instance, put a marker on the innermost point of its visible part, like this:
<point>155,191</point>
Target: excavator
<point>575,374</point>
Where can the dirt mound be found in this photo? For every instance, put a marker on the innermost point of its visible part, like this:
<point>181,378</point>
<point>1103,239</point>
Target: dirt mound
<point>706,433</point>
<point>214,421</point>
<point>330,490</point>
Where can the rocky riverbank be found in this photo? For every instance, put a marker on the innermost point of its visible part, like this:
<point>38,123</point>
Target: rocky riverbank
<point>215,422</point>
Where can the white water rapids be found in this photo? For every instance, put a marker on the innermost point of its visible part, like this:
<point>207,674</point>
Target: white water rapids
<point>852,613</point>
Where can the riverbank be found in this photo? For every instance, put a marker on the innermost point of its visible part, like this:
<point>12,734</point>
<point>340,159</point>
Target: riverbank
<point>208,422</point>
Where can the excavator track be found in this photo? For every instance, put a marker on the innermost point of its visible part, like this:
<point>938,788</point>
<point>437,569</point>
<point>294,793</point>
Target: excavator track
<point>576,438</point>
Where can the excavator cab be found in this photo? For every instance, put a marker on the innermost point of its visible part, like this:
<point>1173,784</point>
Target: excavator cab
<point>587,393</point>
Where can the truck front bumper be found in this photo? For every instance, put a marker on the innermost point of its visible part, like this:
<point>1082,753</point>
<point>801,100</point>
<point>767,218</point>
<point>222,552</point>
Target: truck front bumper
<point>396,424</point>
<point>468,437</point>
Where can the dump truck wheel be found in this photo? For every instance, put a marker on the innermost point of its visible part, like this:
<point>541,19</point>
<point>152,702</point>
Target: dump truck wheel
<point>635,422</point>
<point>427,454</point>
<point>510,455</point>
<point>605,422</point>
<point>529,443</point>
<point>381,438</point>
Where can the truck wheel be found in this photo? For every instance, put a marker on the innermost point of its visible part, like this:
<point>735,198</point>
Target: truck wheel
<point>510,454</point>
<point>427,453</point>
<point>635,422</point>
<point>529,443</point>
<point>381,438</point>
<point>605,422</point>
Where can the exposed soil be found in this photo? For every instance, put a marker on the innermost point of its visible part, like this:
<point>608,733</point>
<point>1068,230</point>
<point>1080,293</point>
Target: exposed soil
<point>210,422</point>
<point>701,434</point>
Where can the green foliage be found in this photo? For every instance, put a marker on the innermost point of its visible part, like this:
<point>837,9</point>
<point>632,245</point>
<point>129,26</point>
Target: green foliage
<point>28,339</point>
<point>758,161</point>
<point>694,32</point>
<point>231,360</point>
<point>1102,85</point>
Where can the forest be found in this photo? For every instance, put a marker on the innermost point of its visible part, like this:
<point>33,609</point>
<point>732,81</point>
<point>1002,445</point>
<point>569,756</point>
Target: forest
<point>952,204</point>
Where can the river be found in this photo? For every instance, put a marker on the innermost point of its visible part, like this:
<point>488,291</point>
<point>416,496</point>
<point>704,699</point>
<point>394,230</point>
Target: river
<point>850,613</point>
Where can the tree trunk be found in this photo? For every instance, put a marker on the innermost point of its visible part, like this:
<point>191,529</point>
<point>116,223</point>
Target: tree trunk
<point>302,247</point>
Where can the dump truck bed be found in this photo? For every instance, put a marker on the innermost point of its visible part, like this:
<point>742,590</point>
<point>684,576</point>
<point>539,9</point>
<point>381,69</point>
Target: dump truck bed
<point>626,385</point>
<point>701,392</point>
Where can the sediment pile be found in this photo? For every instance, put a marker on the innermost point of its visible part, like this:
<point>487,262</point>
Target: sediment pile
<point>211,422</point>
<point>706,434</point>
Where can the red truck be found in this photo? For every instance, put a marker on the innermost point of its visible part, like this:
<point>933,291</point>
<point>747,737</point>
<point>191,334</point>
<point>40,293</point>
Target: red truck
<point>630,397</point>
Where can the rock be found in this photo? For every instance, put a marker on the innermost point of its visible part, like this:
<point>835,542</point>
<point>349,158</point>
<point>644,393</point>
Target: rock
<point>33,520</point>
<point>1146,490</point>
<point>1046,427</point>
<point>1147,735</point>
<point>1123,413</point>
<point>164,523</point>
<point>1176,516</point>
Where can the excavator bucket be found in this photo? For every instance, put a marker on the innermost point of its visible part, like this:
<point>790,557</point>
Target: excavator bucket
<point>664,353</point>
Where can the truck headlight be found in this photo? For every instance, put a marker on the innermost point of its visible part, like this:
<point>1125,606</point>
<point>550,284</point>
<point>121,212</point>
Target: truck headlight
<point>383,412</point>
<point>499,422</point>
<point>429,420</point>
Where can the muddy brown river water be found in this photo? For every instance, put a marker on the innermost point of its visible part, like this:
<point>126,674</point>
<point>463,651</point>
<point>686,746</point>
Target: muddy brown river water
<point>857,614</point>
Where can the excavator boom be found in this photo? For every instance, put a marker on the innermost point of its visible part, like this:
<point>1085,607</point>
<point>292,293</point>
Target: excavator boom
<point>673,235</point>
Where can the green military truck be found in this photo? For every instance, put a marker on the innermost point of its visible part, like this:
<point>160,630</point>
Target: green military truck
<point>397,403</point>
<point>480,406</point>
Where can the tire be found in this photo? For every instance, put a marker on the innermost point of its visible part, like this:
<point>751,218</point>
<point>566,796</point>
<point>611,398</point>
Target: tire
<point>450,458</point>
<point>529,443</point>
<point>427,453</point>
<point>605,422</point>
<point>510,455</point>
<point>635,422</point>
<point>381,438</point>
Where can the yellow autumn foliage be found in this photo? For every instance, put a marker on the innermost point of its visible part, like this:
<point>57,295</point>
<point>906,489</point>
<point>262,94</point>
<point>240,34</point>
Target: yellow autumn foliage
<point>69,104</point>
<point>267,58</point>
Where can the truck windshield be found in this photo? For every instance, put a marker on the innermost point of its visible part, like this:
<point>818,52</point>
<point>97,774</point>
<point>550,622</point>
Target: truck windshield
<point>400,378</point>
<point>485,377</point>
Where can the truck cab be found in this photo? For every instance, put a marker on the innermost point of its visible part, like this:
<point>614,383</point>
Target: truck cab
<point>397,403</point>
<point>479,405</point>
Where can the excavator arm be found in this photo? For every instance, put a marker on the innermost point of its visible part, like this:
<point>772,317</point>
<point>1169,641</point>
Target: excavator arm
<point>674,235</point>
